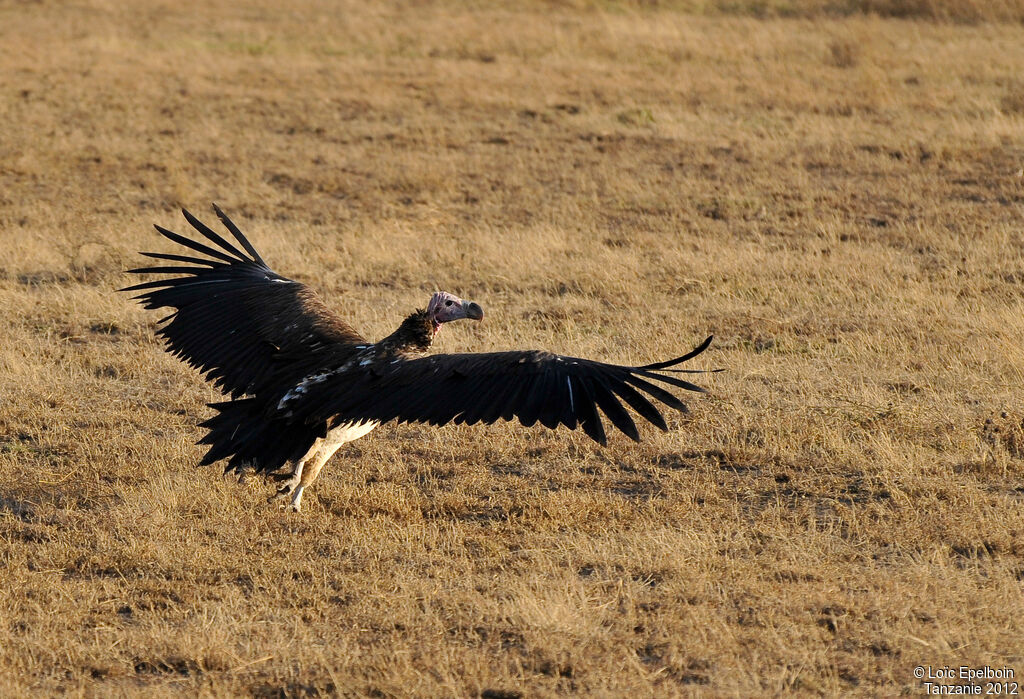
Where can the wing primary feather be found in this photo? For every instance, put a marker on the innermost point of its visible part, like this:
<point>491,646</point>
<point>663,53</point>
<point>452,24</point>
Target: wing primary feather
<point>198,247</point>
<point>230,225</point>
<point>181,258</point>
<point>213,236</point>
<point>611,407</point>
<point>641,405</point>
<point>158,283</point>
<point>167,269</point>
<point>590,420</point>
<point>672,380</point>
<point>658,392</point>
<point>679,360</point>
<point>693,371</point>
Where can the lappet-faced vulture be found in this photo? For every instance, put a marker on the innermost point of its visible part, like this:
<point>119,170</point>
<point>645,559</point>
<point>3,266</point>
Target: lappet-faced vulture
<point>301,382</point>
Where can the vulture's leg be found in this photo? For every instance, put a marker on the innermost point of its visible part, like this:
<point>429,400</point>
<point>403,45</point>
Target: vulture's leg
<point>310,471</point>
<point>322,450</point>
<point>288,488</point>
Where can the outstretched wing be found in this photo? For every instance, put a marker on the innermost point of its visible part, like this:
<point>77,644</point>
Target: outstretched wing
<point>244,326</point>
<point>533,386</point>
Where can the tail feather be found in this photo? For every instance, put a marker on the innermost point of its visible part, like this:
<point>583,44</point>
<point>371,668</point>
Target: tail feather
<point>242,433</point>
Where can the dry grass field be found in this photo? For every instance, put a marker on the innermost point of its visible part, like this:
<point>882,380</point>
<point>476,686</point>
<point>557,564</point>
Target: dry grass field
<point>837,196</point>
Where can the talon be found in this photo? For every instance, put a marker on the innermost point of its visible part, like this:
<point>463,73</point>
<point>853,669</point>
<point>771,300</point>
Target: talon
<point>247,478</point>
<point>283,493</point>
<point>291,491</point>
<point>296,503</point>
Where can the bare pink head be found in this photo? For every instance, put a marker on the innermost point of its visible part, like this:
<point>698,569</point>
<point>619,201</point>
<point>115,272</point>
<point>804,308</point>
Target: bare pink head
<point>445,307</point>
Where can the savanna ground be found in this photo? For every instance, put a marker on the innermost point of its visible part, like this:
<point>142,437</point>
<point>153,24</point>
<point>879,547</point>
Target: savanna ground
<point>836,196</point>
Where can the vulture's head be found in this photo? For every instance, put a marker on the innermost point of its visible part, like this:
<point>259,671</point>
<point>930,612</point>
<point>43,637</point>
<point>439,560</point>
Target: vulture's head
<point>445,307</point>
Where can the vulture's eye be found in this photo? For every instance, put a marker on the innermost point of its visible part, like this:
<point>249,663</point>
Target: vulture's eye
<point>447,303</point>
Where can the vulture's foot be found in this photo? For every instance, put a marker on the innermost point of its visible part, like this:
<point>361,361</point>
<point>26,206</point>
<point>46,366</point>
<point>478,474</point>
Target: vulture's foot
<point>289,496</point>
<point>291,482</point>
<point>246,478</point>
<point>243,472</point>
<point>290,499</point>
<point>284,492</point>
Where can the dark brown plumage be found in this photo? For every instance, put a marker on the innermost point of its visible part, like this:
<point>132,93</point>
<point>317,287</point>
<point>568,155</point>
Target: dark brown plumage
<point>302,381</point>
<point>244,326</point>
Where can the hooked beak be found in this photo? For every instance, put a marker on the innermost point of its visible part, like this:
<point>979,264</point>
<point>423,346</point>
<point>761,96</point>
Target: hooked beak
<point>473,310</point>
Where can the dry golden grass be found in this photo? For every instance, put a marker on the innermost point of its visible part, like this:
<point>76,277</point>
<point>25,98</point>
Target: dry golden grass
<point>838,200</point>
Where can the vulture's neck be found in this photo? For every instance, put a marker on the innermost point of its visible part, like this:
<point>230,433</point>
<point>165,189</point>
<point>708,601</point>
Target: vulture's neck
<point>413,336</point>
